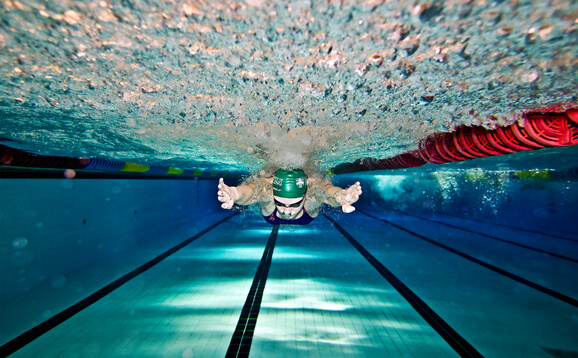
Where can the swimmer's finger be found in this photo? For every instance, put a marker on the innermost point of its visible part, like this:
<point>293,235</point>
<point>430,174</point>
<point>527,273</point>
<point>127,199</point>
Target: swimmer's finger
<point>227,205</point>
<point>348,209</point>
<point>223,196</point>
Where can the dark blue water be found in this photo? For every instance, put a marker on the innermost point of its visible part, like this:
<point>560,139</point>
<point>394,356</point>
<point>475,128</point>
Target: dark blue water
<point>436,262</point>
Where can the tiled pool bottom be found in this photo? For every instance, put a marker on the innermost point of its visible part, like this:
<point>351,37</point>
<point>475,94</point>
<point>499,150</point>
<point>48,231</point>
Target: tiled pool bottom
<point>321,296</point>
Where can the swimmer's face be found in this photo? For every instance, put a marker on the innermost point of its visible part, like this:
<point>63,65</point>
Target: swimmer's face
<point>289,209</point>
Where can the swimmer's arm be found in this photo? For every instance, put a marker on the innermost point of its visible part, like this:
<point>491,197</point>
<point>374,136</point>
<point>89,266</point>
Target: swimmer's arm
<point>249,194</point>
<point>336,196</point>
<point>329,190</point>
<point>245,194</point>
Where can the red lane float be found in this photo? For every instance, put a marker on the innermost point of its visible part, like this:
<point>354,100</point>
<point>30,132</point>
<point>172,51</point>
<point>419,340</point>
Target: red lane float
<point>535,131</point>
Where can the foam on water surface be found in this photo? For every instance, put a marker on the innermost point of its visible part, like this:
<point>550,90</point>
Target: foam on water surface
<point>237,85</point>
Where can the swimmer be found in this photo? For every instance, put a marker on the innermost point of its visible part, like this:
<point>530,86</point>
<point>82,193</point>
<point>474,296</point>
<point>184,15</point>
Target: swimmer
<point>284,199</point>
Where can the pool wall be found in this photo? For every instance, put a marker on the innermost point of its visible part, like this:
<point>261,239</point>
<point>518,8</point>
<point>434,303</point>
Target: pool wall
<point>52,227</point>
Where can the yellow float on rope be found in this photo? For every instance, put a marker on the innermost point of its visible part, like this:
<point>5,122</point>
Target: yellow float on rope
<point>134,168</point>
<point>534,174</point>
<point>175,171</point>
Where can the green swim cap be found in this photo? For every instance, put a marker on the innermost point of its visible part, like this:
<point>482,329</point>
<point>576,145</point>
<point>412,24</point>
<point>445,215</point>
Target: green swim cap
<point>290,184</point>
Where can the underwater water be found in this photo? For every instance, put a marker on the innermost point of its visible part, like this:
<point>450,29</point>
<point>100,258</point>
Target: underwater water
<point>477,258</point>
<point>233,84</point>
<point>436,261</point>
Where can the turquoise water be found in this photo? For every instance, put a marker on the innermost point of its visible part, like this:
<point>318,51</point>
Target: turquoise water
<point>487,253</point>
<point>475,258</point>
<point>229,85</point>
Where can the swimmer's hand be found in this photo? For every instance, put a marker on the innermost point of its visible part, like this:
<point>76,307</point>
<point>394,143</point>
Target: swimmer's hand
<point>348,196</point>
<point>227,195</point>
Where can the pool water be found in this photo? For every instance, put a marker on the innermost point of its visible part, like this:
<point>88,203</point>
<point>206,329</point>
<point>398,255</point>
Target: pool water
<point>438,261</point>
<point>472,258</point>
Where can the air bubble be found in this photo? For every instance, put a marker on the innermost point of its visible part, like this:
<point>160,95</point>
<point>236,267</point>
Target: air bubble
<point>181,70</point>
<point>311,89</point>
<point>19,242</point>
<point>376,60</point>
<point>361,70</point>
<point>406,68</point>
<point>530,76</point>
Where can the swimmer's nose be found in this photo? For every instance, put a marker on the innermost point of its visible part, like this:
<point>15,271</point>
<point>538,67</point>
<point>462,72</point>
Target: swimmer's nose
<point>284,211</point>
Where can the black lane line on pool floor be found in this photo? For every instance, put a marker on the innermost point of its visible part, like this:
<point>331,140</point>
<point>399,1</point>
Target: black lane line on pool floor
<point>457,342</point>
<point>549,292</point>
<point>243,335</point>
<point>492,237</point>
<point>30,335</point>
<point>494,224</point>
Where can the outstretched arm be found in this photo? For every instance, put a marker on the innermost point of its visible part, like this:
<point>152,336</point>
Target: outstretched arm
<point>337,196</point>
<point>244,194</point>
<point>229,195</point>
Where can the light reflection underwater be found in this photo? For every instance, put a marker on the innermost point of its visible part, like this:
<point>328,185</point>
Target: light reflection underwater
<point>320,293</point>
<point>224,85</point>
